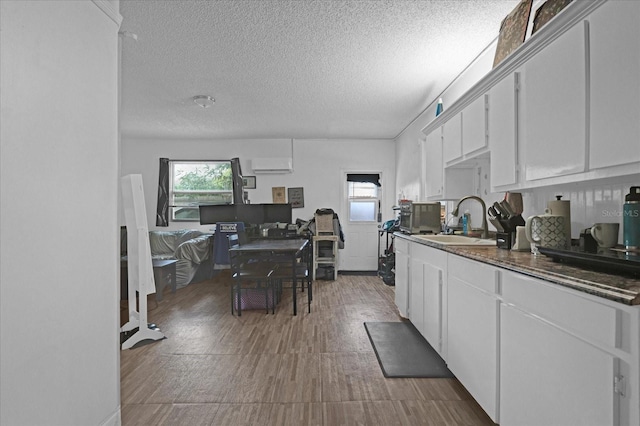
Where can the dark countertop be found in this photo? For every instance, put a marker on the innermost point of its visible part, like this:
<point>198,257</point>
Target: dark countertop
<point>622,289</point>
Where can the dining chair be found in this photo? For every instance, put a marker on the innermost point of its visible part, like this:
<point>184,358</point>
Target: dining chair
<point>253,285</point>
<point>286,272</point>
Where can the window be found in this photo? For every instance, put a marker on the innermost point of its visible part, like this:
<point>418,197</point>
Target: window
<point>363,201</point>
<point>198,182</point>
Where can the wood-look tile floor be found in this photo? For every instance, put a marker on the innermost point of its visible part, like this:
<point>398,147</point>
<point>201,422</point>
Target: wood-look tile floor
<point>315,368</point>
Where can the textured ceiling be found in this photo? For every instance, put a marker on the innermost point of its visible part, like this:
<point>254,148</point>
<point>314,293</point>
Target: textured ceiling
<point>294,69</point>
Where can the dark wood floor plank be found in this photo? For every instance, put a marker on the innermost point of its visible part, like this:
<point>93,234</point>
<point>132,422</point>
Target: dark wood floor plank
<point>315,368</point>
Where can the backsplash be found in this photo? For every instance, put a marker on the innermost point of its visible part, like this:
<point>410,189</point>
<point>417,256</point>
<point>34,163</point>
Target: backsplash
<point>601,203</point>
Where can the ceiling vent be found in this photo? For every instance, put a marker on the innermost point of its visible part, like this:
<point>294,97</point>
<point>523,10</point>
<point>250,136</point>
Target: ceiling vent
<point>272,165</point>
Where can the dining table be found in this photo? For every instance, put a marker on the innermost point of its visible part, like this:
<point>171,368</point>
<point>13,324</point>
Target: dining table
<point>263,248</point>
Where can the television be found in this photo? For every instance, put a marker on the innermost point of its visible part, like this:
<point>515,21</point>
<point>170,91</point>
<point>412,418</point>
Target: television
<point>212,214</point>
<point>277,213</point>
<point>250,213</point>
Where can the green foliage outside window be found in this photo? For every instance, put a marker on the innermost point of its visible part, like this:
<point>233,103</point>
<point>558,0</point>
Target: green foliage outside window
<point>201,176</point>
<point>195,183</point>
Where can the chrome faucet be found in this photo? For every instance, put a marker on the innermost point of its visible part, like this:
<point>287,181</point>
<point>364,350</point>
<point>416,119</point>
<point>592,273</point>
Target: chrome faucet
<point>485,226</point>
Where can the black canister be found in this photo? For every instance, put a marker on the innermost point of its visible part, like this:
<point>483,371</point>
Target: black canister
<point>587,243</point>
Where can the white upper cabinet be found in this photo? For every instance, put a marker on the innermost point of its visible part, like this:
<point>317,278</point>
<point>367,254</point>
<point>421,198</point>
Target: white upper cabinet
<point>563,108</point>
<point>503,138</point>
<point>465,133</point>
<point>615,86</point>
<point>554,108</point>
<point>443,183</point>
<point>433,164</point>
<point>474,126</point>
<point>452,138</point>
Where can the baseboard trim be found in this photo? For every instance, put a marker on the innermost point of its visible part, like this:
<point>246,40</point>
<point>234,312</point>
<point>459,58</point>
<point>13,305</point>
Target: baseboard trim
<point>365,273</point>
<point>114,420</point>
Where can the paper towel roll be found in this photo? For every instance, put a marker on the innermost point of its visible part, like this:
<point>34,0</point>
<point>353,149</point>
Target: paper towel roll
<point>521,243</point>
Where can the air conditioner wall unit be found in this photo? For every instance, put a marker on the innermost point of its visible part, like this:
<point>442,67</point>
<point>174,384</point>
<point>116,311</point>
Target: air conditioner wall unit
<point>272,165</point>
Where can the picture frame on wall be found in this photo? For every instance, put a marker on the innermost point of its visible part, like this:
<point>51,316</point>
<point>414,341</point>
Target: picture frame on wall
<point>249,182</point>
<point>513,31</point>
<point>278,195</point>
<point>547,12</point>
<point>296,197</point>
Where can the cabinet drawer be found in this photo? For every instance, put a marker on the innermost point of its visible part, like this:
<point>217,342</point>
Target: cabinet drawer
<point>428,254</point>
<point>564,308</point>
<point>473,273</point>
<point>401,245</point>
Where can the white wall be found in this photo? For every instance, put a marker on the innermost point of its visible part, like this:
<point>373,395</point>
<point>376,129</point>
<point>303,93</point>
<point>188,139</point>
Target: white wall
<point>590,203</point>
<point>408,147</point>
<point>59,273</point>
<point>317,167</point>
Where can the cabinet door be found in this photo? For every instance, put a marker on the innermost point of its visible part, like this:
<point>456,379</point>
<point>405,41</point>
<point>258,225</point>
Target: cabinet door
<point>503,137</point>
<point>615,91</point>
<point>426,297</point>
<point>452,138</point>
<point>427,267</point>
<point>472,341</point>
<point>554,103</point>
<point>433,163</point>
<point>416,294</point>
<point>474,126</point>
<point>402,276</point>
<point>548,377</point>
<point>432,305</point>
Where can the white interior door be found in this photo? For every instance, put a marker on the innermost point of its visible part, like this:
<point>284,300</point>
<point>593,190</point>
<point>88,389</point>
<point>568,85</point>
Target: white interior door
<point>360,224</point>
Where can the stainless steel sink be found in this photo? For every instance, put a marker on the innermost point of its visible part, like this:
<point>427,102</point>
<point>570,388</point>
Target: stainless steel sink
<point>456,240</point>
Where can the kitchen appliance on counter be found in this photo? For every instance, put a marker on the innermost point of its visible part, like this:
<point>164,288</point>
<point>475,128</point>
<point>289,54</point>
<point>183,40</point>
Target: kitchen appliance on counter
<point>420,217</point>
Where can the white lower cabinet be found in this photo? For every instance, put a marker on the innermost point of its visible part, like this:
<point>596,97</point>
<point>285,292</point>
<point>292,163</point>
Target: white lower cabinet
<point>566,357</point>
<point>548,377</point>
<point>428,268</point>
<point>472,330</point>
<point>402,276</point>
<point>530,352</point>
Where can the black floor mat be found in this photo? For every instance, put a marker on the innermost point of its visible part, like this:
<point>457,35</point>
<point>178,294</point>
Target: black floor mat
<point>403,352</point>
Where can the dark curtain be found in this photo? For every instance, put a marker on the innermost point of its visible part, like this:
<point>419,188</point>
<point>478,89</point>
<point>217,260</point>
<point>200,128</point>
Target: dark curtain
<point>162,211</point>
<point>368,178</point>
<point>238,189</point>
